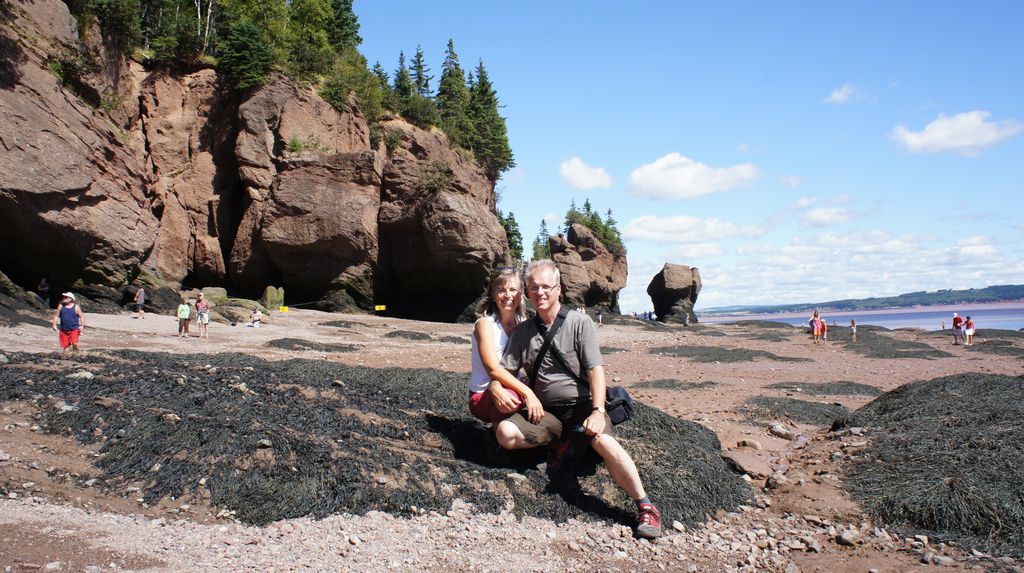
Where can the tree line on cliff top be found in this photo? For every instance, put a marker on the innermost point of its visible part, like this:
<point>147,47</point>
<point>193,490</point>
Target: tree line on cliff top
<point>313,41</point>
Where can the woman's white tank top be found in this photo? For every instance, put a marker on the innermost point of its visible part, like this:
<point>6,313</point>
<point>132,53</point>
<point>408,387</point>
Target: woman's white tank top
<point>478,378</point>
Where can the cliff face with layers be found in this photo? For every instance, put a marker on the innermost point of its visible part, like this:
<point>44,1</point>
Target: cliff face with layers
<point>117,174</point>
<point>591,275</point>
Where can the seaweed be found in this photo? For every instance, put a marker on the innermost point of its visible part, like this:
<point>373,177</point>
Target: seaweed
<point>802,411</point>
<point>721,354</point>
<point>944,459</point>
<point>840,388</point>
<point>298,344</point>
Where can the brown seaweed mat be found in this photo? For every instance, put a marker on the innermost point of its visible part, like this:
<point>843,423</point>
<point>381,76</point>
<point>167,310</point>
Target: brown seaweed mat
<point>945,459</point>
<point>272,440</point>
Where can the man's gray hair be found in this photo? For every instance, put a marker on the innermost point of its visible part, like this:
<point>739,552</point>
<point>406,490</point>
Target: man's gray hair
<point>542,264</point>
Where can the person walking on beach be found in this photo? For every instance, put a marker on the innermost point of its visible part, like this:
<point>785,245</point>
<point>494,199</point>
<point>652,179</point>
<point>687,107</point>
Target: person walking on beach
<point>184,314</point>
<point>815,324</point>
<point>853,330</point>
<point>140,299</point>
<point>824,329</point>
<point>203,316</point>
<point>969,332</point>
<point>68,322</point>
<point>957,328</point>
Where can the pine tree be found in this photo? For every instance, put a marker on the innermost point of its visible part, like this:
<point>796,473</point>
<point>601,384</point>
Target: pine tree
<point>587,209</point>
<point>515,238</point>
<point>388,100</point>
<point>271,17</point>
<point>245,58</point>
<point>453,99</point>
<point>421,73</point>
<point>542,244</point>
<point>343,30</point>
<point>403,85</point>
<point>350,75</point>
<point>610,221</point>
<point>489,141</point>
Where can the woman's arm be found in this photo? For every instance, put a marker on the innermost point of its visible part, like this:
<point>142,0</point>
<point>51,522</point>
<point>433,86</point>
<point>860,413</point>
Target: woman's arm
<point>492,364</point>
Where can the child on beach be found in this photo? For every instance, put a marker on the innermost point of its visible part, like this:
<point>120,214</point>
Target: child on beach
<point>184,313</point>
<point>203,316</point>
<point>853,330</point>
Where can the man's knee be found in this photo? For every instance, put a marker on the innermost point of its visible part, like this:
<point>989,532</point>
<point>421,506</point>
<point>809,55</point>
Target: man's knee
<point>606,446</point>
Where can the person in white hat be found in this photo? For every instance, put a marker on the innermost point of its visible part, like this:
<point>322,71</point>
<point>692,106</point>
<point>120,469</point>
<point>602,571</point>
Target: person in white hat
<point>70,320</point>
<point>958,324</point>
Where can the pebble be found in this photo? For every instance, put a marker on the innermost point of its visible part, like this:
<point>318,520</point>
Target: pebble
<point>753,444</point>
<point>678,526</point>
<point>4,456</point>
<point>81,375</point>
<point>781,431</point>
<point>264,443</point>
<point>3,359</point>
<point>848,538</point>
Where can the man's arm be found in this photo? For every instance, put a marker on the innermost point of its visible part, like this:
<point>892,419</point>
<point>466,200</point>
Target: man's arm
<point>81,318</point>
<point>56,317</point>
<point>594,424</point>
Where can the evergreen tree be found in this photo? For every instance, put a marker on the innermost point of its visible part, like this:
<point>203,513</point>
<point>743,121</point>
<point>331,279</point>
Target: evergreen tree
<point>403,86</point>
<point>489,141</point>
<point>387,100</point>
<point>310,52</point>
<point>542,244</point>
<point>587,208</point>
<point>421,74</point>
<point>245,58</point>
<point>343,30</point>
<point>453,99</point>
<point>515,238</point>
<point>610,221</point>
<point>570,216</point>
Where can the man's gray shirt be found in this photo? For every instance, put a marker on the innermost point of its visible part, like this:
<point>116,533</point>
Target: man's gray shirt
<point>576,340</point>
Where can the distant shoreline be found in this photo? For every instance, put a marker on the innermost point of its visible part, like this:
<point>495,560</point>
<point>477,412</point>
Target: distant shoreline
<point>951,308</point>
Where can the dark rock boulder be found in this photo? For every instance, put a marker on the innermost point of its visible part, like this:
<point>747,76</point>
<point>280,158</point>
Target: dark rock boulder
<point>591,275</point>
<point>439,234</point>
<point>674,291</point>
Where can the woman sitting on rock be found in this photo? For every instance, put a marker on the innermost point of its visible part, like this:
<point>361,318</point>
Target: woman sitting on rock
<point>498,316</point>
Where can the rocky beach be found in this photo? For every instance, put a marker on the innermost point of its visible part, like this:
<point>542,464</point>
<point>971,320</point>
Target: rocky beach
<point>768,395</point>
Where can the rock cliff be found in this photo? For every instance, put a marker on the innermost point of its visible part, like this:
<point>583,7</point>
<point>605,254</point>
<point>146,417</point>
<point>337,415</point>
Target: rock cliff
<point>674,291</point>
<point>591,274</point>
<point>117,174</point>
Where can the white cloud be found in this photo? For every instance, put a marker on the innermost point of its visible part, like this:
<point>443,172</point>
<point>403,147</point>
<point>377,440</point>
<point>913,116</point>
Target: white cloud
<point>804,202</point>
<point>675,176</point>
<point>685,229</point>
<point>974,241</point>
<point>578,174</point>
<point>745,148</point>
<point>848,93</point>
<point>793,181</point>
<point>843,199</point>
<point>553,221</point>
<point>967,133</point>
<point>694,251</point>
<point>825,216</point>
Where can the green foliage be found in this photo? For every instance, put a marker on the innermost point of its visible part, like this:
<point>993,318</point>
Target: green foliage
<point>403,85</point>
<point>245,58</point>
<point>343,30</point>
<point>270,17</point>
<point>421,74</point>
<point>179,42</point>
<point>489,141</point>
<point>542,244</point>
<point>387,95</point>
<point>309,51</point>
<point>453,100</point>
<point>606,232</point>
<point>420,111</point>
<point>436,177</point>
<point>349,75</point>
<point>119,20</point>
<point>515,238</point>
<point>392,137</point>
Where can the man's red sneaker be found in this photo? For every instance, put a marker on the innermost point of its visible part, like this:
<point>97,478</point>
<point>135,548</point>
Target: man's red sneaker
<point>557,456</point>
<point>648,521</point>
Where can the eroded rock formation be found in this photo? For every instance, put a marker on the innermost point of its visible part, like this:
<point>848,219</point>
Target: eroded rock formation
<point>126,175</point>
<point>674,291</point>
<point>591,274</point>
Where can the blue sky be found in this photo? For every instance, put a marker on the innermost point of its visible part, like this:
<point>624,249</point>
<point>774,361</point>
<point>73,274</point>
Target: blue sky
<point>793,152</point>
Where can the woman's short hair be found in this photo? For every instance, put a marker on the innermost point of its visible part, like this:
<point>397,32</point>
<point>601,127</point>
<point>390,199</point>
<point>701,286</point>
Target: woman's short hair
<point>499,278</point>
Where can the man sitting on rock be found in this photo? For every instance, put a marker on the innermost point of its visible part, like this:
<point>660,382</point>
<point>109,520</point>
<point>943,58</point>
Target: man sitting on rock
<point>579,406</point>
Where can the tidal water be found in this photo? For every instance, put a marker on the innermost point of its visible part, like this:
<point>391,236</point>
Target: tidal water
<point>1002,316</point>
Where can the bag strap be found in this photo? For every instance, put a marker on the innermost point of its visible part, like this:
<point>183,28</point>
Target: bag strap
<point>548,339</point>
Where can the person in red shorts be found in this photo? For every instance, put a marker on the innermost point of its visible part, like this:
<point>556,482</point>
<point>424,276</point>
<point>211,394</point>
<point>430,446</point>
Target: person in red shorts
<point>68,322</point>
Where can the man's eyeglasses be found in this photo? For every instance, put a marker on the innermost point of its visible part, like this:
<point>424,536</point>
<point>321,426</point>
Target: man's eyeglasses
<point>536,289</point>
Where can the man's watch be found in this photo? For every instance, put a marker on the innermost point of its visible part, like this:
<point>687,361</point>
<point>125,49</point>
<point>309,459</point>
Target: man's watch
<point>599,409</point>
